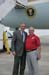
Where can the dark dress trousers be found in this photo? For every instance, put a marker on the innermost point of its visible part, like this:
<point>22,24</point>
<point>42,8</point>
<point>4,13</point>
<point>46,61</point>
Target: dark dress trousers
<point>18,46</point>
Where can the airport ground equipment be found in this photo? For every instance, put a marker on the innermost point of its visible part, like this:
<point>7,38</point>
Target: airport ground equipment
<point>5,42</point>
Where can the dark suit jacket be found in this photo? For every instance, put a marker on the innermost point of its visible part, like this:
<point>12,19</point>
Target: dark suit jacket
<point>17,43</point>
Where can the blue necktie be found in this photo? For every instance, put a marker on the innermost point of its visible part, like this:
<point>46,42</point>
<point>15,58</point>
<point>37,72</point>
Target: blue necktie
<point>23,36</point>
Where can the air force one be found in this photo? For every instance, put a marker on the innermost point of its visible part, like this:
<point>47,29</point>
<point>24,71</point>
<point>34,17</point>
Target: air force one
<point>15,12</point>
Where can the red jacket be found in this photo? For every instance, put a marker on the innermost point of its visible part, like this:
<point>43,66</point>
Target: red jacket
<point>32,42</point>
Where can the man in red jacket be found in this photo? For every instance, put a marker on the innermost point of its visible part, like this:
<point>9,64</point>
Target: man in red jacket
<point>33,48</point>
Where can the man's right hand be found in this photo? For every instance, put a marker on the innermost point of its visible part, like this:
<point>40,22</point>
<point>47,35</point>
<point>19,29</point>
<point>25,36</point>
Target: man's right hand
<point>14,53</point>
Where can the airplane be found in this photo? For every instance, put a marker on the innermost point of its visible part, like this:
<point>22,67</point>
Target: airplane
<point>16,13</point>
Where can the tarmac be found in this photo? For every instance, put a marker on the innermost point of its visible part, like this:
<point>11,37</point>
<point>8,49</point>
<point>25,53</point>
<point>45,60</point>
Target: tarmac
<point>7,60</point>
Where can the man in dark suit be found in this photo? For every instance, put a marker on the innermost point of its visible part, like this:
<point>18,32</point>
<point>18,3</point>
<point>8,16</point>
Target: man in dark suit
<point>18,50</point>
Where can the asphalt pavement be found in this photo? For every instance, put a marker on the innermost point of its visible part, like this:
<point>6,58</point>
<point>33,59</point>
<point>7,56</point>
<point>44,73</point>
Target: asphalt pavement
<point>6,62</point>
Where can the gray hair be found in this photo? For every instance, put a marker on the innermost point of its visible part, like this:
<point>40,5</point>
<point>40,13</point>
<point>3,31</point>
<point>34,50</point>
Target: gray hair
<point>31,28</point>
